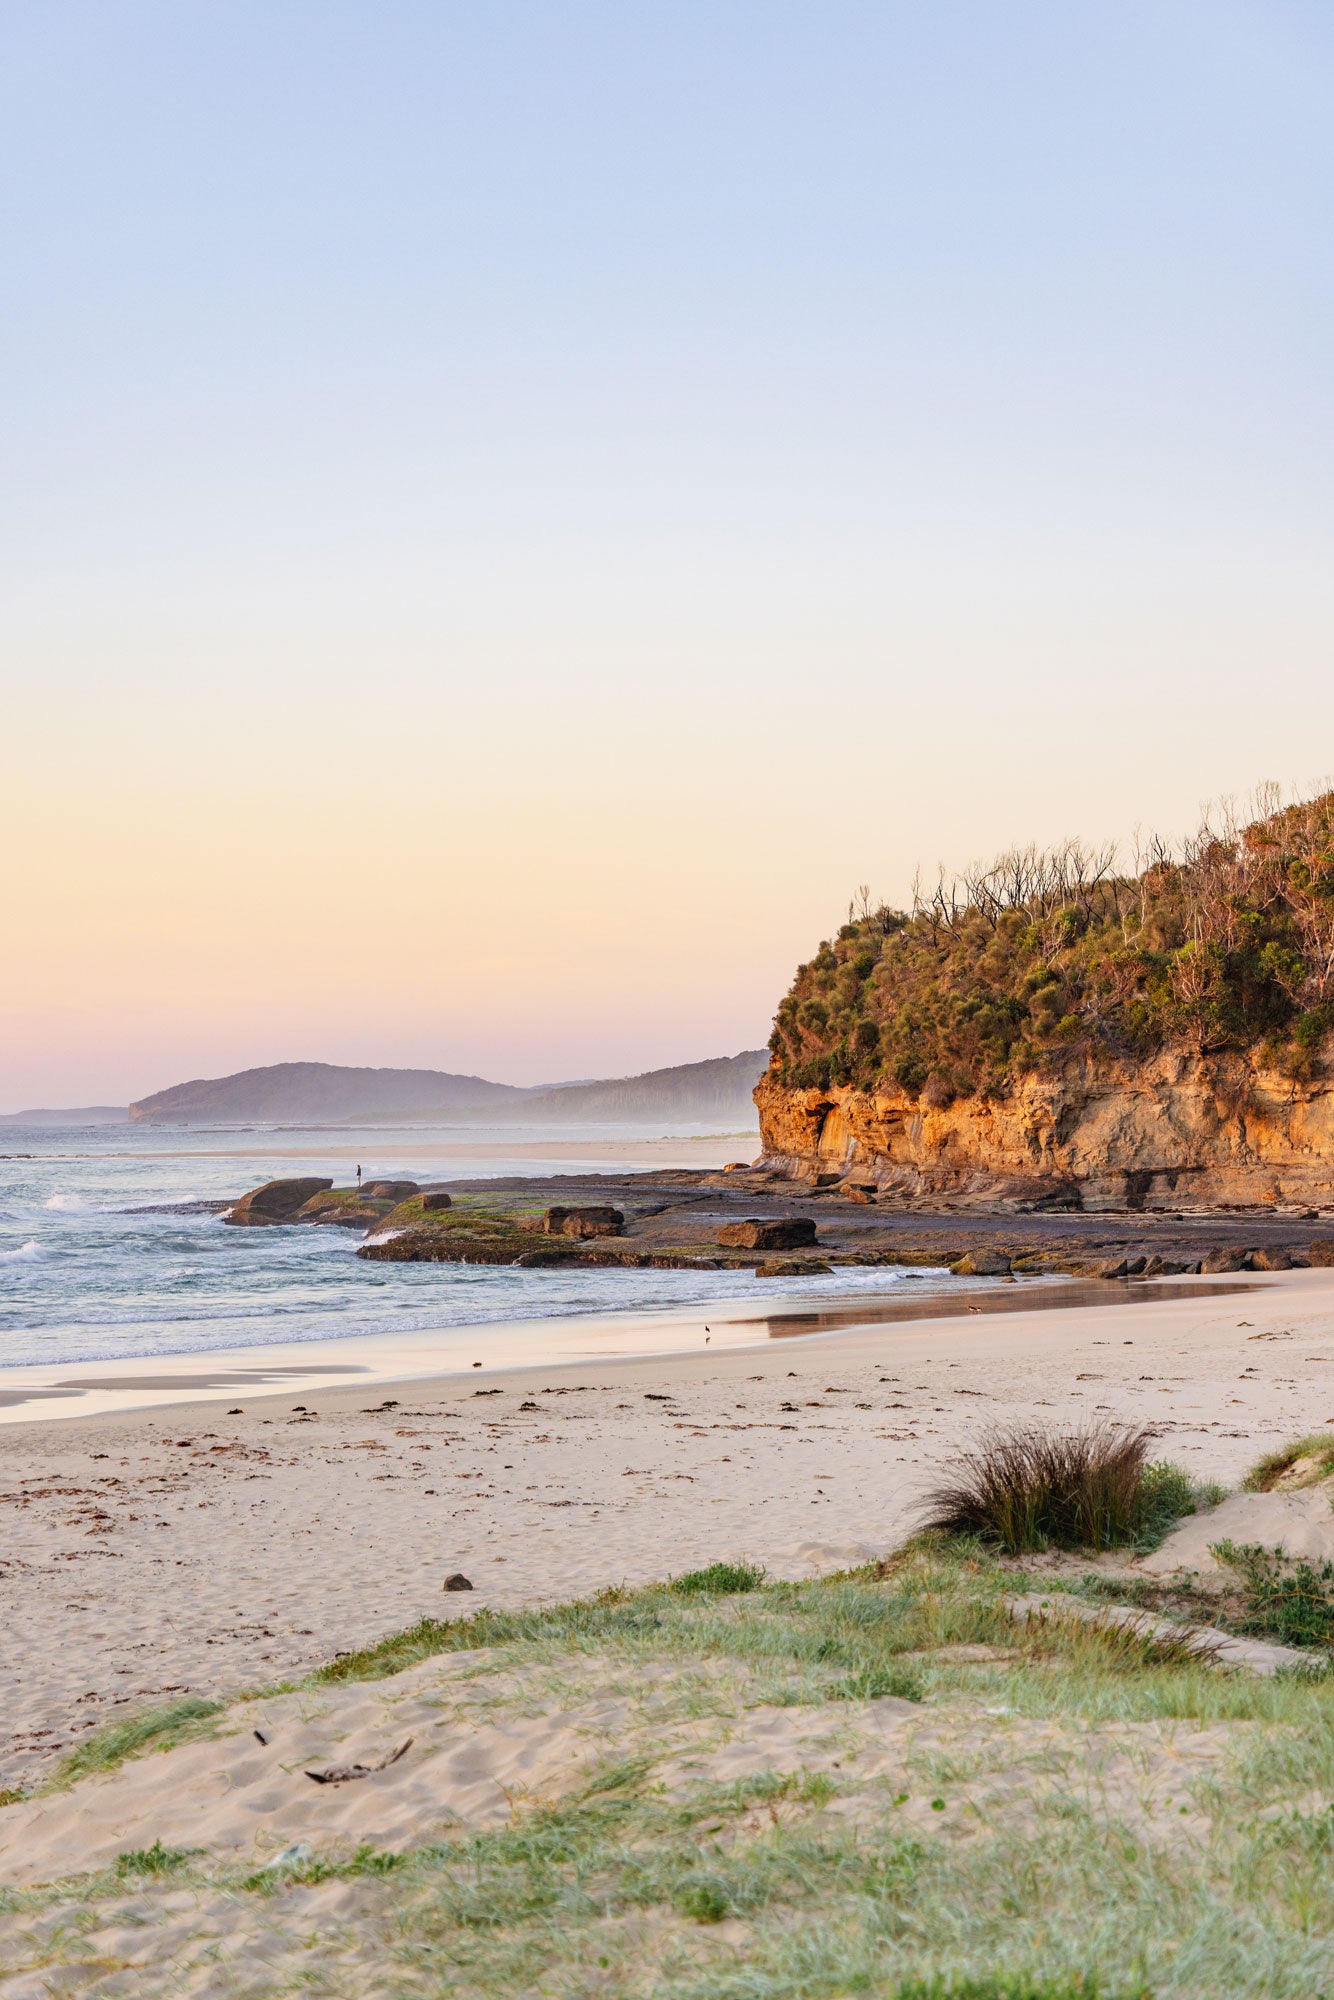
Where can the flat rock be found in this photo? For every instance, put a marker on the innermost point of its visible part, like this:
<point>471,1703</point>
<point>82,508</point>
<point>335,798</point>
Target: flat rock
<point>791,1233</point>
<point>581,1222</point>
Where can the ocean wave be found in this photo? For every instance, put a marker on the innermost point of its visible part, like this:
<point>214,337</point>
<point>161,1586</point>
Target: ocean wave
<point>70,1202</point>
<point>27,1253</point>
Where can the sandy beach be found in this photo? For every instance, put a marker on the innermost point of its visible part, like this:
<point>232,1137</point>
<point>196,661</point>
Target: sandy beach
<point>198,1550</point>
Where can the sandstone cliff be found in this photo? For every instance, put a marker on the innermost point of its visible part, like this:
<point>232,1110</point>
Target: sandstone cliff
<point>1176,1132</point>
<point>1051,1033</point>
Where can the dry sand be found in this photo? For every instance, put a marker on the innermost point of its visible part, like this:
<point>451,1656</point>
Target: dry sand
<point>150,1555</point>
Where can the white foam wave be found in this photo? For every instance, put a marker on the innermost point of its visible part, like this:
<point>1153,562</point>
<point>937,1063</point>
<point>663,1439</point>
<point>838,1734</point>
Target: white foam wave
<point>27,1253</point>
<point>67,1201</point>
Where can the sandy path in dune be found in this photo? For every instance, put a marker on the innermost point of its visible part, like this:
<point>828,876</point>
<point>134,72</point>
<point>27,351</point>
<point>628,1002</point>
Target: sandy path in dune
<point>147,1556</point>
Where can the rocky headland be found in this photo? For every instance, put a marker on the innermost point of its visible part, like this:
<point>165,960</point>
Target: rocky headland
<point>1049,1034</point>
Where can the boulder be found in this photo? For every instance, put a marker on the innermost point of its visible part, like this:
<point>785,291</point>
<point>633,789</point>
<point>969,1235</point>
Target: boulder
<point>1219,1261</point>
<point>388,1190</point>
<point>793,1267</point>
<point>982,1264</point>
<point>435,1198</point>
<point>582,1222</point>
<point>276,1201</point>
<point>1272,1258</point>
<point>1114,1268</point>
<point>792,1233</point>
<point>1320,1251</point>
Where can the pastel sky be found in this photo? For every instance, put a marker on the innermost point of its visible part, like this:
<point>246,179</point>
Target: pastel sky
<point>509,513</point>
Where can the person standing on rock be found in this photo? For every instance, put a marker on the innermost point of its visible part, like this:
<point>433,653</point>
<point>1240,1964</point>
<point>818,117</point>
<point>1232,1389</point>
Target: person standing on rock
<point>358,1176</point>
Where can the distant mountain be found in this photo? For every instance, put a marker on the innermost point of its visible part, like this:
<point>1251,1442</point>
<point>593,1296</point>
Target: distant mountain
<point>84,1114</point>
<point>318,1093</point>
<point>692,1092</point>
<point>717,1092</point>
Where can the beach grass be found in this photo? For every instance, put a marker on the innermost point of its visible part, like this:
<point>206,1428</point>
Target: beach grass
<point>1008,1855</point>
<point>158,1728</point>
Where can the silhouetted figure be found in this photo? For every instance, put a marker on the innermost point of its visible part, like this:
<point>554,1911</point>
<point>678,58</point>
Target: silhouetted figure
<point>358,1176</point>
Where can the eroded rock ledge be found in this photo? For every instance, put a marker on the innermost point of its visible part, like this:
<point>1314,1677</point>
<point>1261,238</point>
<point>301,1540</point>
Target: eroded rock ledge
<point>1179,1132</point>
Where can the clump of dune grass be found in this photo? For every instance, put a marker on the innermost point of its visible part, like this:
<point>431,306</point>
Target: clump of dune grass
<point>106,1748</point>
<point>720,1579</point>
<point>1267,1472</point>
<point>1090,1489</point>
<point>154,1860</point>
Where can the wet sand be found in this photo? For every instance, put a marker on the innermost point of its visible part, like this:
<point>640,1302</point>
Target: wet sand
<point>230,1543</point>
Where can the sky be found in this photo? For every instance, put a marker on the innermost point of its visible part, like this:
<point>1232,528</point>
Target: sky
<point>510,514</point>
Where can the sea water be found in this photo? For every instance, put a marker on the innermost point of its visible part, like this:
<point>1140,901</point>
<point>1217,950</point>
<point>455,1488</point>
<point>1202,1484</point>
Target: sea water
<point>103,1259</point>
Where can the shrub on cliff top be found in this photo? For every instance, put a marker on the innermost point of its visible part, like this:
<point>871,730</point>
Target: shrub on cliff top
<point>1228,945</point>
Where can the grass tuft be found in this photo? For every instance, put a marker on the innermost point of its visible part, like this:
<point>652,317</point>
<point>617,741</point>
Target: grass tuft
<point>1266,1473</point>
<point>1032,1489</point>
<point>106,1748</point>
<point>722,1579</point>
<point>154,1860</point>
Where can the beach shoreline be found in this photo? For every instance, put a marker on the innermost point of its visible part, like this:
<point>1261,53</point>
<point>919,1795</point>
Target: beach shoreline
<point>189,1550</point>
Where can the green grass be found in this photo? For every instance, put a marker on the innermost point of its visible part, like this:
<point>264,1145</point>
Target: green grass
<point>154,1860</point>
<point>161,1727</point>
<point>1265,1474</point>
<point>1291,1601</point>
<point>1032,1487</point>
<point>720,1579</point>
<point>974,1864</point>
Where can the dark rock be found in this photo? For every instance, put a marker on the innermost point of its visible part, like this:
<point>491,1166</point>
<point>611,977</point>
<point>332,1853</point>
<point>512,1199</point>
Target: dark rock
<point>1113,1269</point>
<point>790,1234</point>
<point>982,1264</point>
<point>435,1198</point>
<point>1273,1258</point>
<point>276,1201</point>
<point>793,1267</point>
<point>388,1190</point>
<point>457,1582</point>
<point>1219,1261</point>
<point>1153,1267</point>
<point>1320,1251</point>
<point>582,1222</point>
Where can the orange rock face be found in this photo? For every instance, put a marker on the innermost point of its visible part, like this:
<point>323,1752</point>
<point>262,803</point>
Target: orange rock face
<point>1178,1131</point>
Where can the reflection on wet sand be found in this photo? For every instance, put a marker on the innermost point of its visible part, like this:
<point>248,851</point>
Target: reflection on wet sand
<point>1012,1295</point>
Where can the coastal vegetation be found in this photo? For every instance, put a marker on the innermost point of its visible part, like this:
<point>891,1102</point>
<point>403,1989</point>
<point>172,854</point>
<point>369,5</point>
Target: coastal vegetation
<point>1226,944</point>
<point>1028,1489</point>
<point>1029,1811</point>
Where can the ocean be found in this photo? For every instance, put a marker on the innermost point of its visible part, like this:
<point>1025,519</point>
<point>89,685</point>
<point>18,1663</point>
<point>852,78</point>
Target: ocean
<point>102,1259</point>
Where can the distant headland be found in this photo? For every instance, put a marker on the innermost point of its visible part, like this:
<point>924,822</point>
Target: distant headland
<point>329,1094</point>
